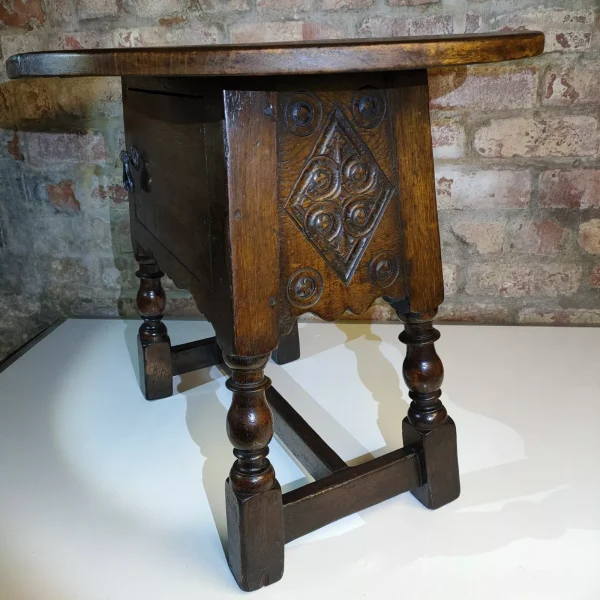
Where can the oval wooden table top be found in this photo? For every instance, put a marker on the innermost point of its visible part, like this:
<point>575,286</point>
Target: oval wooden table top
<point>294,58</point>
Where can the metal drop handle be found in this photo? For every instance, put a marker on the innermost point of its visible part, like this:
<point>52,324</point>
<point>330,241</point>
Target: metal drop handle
<point>129,158</point>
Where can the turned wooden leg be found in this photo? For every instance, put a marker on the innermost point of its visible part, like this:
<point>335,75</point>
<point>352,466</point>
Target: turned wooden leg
<point>254,502</point>
<point>427,425</point>
<point>289,347</point>
<point>154,346</point>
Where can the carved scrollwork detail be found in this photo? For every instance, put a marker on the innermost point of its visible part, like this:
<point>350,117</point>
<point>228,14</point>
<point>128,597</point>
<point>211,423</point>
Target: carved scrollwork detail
<point>303,113</point>
<point>305,288</point>
<point>368,107</point>
<point>384,268</point>
<point>340,195</point>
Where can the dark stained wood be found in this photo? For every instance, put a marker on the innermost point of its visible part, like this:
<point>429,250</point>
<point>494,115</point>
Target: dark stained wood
<point>254,504</point>
<point>269,196</point>
<point>301,439</point>
<point>423,372</point>
<point>256,539</point>
<point>427,426</point>
<point>339,192</point>
<point>345,492</point>
<point>258,265</point>
<point>154,346</point>
<point>438,460</point>
<point>178,204</point>
<point>333,56</point>
<point>196,355</point>
<point>249,424</point>
<point>412,132</point>
<point>251,143</point>
<point>199,201</point>
<point>288,349</point>
<point>168,133</point>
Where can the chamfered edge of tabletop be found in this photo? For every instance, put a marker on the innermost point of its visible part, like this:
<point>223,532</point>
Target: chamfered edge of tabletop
<point>283,58</point>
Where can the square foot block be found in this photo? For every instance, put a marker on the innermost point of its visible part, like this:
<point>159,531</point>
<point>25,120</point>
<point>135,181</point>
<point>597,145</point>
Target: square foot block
<point>439,462</point>
<point>256,540</point>
<point>156,369</point>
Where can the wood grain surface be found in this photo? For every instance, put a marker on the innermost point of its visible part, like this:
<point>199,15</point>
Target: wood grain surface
<point>332,56</point>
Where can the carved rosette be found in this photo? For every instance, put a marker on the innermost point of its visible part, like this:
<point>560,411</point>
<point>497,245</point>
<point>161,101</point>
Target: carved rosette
<point>305,288</point>
<point>303,113</point>
<point>341,192</point>
<point>384,268</point>
<point>368,107</point>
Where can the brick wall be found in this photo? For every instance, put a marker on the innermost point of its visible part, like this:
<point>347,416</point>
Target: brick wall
<point>516,146</point>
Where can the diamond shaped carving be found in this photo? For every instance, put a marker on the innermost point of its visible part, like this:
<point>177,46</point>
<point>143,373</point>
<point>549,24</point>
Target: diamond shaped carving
<point>340,195</point>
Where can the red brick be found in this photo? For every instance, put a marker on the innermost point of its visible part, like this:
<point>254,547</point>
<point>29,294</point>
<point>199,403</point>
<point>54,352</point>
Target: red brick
<point>569,40</point>
<point>44,148</point>
<point>88,98</point>
<point>121,235</point>
<point>34,41</point>
<point>589,236</point>
<point>579,188</point>
<point>457,189</point>
<point>449,138</point>
<point>536,237</point>
<point>472,23</point>
<point>31,100</point>
<point>268,6</point>
<point>79,40</point>
<point>525,136</point>
<point>138,37</point>
<point>594,278</point>
<point>450,274</point>
<point>155,9</point>
<point>7,144</point>
<point>322,31</point>
<point>397,27</point>
<point>42,39</point>
<point>486,237</point>
<point>182,307</point>
<point>26,14</point>
<point>94,9</point>
<point>434,25</point>
<point>484,88</point>
<point>193,35</point>
<point>596,35</point>
<point>382,27</point>
<point>516,280</point>
<point>98,191</point>
<point>411,2</point>
<point>558,316</point>
<point>13,147</point>
<point>473,312</point>
<point>277,31</point>
<point>224,5</point>
<point>172,21</point>
<point>565,30</point>
<point>115,193</point>
<point>7,118</point>
<point>60,13</point>
<point>62,196</point>
<point>350,4</point>
<point>572,85</point>
<point>166,36</point>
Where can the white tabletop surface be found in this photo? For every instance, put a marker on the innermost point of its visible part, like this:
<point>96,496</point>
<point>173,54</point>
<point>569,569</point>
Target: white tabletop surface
<point>104,496</point>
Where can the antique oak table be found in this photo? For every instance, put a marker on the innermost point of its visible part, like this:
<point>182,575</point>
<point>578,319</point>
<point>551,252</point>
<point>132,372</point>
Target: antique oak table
<point>271,181</point>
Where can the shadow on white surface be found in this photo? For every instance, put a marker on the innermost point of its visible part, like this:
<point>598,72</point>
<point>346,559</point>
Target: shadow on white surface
<point>106,495</point>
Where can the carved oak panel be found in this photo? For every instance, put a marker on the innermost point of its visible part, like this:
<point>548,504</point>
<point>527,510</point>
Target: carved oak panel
<point>340,223</point>
<point>340,195</point>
